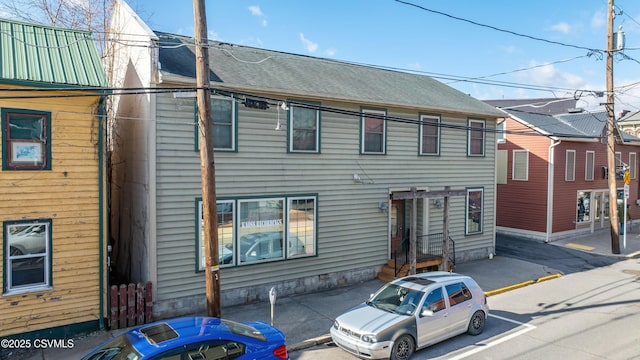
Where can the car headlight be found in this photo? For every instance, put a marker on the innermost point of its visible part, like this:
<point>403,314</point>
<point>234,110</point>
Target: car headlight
<point>370,338</point>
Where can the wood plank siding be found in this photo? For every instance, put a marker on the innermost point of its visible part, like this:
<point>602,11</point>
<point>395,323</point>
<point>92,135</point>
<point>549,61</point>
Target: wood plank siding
<point>524,203</point>
<point>352,232</point>
<point>69,195</point>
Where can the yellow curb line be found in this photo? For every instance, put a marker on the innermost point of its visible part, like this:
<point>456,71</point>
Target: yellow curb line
<point>520,285</point>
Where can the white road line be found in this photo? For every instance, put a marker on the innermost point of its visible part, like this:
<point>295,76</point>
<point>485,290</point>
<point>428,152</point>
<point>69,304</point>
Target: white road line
<point>481,346</point>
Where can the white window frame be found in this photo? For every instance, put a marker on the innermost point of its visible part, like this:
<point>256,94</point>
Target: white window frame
<point>309,247</point>
<point>426,118</point>
<point>363,132</point>
<point>468,221</point>
<point>471,130</point>
<point>570,166</point>
<point>501,132</point>
<point>46,284</point>
<point>633,165</point>
<point>520,163</point>
<point>618,159</point>
<point>292,129</point>
<point>233,125</point>
<point>223,233</point>
<point>589,165</point>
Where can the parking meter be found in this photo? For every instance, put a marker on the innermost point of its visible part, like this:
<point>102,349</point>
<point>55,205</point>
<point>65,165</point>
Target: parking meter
<point>272,300</point>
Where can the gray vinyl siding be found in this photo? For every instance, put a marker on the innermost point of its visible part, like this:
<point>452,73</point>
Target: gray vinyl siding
<point>352,231</point>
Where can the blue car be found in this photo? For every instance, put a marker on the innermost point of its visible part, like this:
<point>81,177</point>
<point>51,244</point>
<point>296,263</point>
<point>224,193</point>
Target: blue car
<point>195,338</point>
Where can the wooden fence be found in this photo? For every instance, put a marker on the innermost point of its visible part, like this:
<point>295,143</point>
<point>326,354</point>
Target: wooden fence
<point>130,305</point>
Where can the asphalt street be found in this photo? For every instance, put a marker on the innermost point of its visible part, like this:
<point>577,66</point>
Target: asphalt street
<point>564,259</point>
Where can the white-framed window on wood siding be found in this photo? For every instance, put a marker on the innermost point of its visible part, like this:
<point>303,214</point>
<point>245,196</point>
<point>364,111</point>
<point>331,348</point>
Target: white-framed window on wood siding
<point>475,137</point>
<point>225,210</point>
<point>589,165</point>
<point>304,129</point>
<point>430,134</point>
<point>223,121</point>
<point>520,168</point>
<point>501,131</point>
<point>373,132</point>
<point>618,158</point>
<point>475,200</point>
<point>633,165</point>
<point>27,251</point>
<point>570,168</point>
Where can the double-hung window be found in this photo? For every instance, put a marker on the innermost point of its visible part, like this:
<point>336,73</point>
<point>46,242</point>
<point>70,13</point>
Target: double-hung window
<point>570,168</point>
<point>26,141</point>
<point>223,111</point>
<point>475,137</point>
<point>373,132</point>
<point>589,165</point>
<point>429,135</point>
<point>520,169</point>
<point>474,211</point>
<point>27,249</point>
<point>304,129</point>
<point>223,124</point>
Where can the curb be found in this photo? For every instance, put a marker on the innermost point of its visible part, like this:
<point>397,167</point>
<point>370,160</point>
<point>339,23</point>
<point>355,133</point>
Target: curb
<point>322,339</point>
<point>520,285</point>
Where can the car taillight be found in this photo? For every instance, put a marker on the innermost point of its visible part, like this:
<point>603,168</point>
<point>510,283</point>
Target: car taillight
<point>281,352</point>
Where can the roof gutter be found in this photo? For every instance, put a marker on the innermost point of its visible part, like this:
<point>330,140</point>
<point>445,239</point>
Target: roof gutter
<point>550,176</point>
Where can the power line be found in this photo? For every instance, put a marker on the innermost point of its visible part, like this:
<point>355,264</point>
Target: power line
<point>497,28</point>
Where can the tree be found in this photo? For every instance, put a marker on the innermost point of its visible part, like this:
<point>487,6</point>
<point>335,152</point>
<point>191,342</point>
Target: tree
<point>89,15</point>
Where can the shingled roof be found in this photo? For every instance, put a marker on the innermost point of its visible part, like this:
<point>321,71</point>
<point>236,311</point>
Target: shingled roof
<point>253,69</point>
<point>45,55</point>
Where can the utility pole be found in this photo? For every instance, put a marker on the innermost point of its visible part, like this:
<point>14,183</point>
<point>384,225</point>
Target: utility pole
<point>611,160</point>
<point>207,164</point>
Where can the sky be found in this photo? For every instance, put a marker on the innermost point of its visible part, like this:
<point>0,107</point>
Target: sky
<point>496,49</point>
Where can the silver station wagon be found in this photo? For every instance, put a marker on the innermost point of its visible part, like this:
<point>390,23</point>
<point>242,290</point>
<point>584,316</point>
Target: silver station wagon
<point>411,313</point>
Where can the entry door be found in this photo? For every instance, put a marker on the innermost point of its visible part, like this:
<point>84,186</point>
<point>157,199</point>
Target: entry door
<point>601,209</point>
<point>397,226</point>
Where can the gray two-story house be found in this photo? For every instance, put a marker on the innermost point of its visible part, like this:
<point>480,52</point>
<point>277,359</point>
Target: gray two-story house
<point>308,155</point>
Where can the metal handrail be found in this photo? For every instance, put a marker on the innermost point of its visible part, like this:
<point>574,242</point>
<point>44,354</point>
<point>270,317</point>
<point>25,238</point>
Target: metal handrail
<point>435,248</point>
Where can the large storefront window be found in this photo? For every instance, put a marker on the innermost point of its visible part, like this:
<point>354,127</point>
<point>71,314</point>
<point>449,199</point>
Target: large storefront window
<point>302,226</point>
<point>225,211</point>
<point>584,206</point>
<point>256,230</point>
<point>261,230</point>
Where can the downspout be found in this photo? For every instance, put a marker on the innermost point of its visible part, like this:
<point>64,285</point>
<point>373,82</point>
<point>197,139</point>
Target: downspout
<point>102,292</point>
<point>550,175</point>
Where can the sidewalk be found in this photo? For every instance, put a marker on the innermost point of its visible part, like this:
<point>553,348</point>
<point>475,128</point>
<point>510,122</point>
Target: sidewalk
<point>599,242</point>
<point>305,319</point>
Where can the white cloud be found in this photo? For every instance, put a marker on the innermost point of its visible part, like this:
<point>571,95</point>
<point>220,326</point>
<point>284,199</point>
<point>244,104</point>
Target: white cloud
<point>562,27</point>
<point>256,11</point>
<point>308,44</point>
<point>330,52</point>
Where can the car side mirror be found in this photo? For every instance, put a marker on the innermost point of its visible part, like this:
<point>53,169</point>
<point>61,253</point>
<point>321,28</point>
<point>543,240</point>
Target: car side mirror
<point>426,312</point>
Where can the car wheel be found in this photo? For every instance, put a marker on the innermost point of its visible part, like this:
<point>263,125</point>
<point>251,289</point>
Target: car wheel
<point>476,324</point>
<point>402,348</point>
